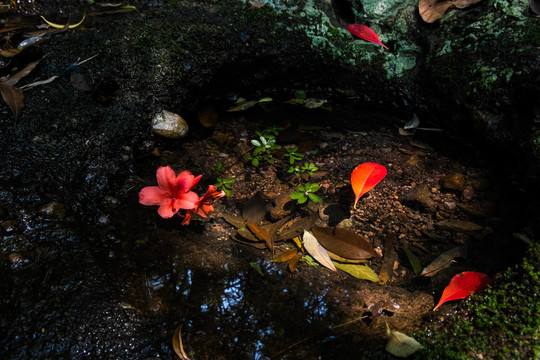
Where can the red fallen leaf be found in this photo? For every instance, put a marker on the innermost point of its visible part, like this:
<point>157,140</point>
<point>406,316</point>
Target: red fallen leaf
<point>364,177</point>
<point>463,285</point>
<point>366,33</point>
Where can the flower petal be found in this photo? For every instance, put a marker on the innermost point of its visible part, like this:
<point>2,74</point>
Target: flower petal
<point>166,178</point>
<point>185,181</point>
<point>153,195</point>
<point>186,201</point>
<point>166,209</point>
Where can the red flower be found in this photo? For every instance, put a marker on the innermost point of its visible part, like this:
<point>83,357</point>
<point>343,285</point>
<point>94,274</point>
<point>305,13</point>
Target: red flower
<point>172,193</point>
<point>204,204</point>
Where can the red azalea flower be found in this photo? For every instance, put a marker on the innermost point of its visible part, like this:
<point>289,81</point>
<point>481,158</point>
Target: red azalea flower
<point>204,205</point>
<point>172,193</point>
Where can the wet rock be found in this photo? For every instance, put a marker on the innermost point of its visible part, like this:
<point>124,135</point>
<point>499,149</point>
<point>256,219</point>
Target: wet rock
<point>169,125</point>
<point>468,193</point>
<point>479,184</point>
<point>479,209</point>
<point>53,210</point>
<point>459,225</point>
<point>453,182</point>
<point>420,196</point>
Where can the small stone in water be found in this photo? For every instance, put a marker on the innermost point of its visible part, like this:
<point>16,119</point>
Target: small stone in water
<point>169,125</point>
<point>453,181</point>
<point>53,210</point>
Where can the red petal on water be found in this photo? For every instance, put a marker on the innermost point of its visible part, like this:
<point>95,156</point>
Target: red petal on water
<point>366,33</point>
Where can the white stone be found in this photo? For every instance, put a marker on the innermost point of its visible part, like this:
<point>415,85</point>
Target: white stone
<point>169,125</point>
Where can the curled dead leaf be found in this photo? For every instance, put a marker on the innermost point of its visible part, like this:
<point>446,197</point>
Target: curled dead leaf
<point>433,10</point>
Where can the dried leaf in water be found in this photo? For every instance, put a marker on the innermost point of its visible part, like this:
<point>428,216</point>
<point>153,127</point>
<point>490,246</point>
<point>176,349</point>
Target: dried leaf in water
<point>14,79</point>
<point>363,272</point>
<point>364,177</point>
<point>413,260</point>
<point>235,220</point>
<point>343,242</point>
<point>463,285</point>
<point>366,33</point>
<point>401,345</point>
<point>442,261</point>
<point>257,245</point>
<point>313,247</point>
<point>257,267</point>
<point>413,123</point>
<point>293,264</point>
<point>261,234</point>
<point>285,256</point>
<point>14,97</point>
<point>296,228</point>
<point>177,343</point>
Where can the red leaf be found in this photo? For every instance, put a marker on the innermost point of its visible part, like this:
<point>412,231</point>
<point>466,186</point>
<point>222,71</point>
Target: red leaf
<point>364,177</point>
<point>366,33</point>
<point>463,285</point>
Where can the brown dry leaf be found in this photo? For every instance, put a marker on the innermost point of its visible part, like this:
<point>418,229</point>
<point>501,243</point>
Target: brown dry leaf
<point>296,228</point>
<point>345,243</point>
<point>257,4</point>
<point>293,264</point>
<point>14,97</point>
<point>433,10</point>
<point>285,256</point>
<point>235,220</point>
<point>177,343</point>
<point>14,79</point>
<point>261,234</point>
<point>443,261</point>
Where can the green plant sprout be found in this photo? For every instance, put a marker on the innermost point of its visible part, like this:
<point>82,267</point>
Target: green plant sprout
<point>225,184</point>
<point>306,192</point>
<point>263,149</point>
<point>293,155</point>
<point>309,168</point>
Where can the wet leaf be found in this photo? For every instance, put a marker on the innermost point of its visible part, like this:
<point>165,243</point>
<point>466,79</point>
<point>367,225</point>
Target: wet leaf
<point>257,267</point>
<point>243,104</point>
<point>366,33</point>
<point>313,247</point>
<point>413,123</point>
<point>178,347</point>
<point>343,242</point>
<point>401,345</point>
<point>296,228</point>
<point>364,177</point>
<point>236,221</point>
<point>463,285</point>
<point>293,264</point>
<point>261,234</point>
<point>442,261</point>
<point>413,260</point>
<point>14,79</point>
<point>363,272</point>
<point>285,256</point>
<point>14,97</point>
<point>58,26</point>
<point>247,234</point>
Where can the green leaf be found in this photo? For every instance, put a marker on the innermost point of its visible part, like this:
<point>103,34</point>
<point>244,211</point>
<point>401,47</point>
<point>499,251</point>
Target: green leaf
<point>255,142</point>
<point>296,195</point>
<point>315,198</point>
<point>358,271</point>
<point>265,99</point>
<point>413,259</point>
<point>257,267</point>
<point>302,200</point>
<point>255,162</point>
<point>312,187</point>
<point>310,261</point>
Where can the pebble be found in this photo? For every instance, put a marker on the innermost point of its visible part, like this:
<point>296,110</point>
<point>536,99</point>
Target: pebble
<point>453,182</point>
<point>420,196</point>
<point>169,125</point>
<point>53,210</point>
<point>468,193</point>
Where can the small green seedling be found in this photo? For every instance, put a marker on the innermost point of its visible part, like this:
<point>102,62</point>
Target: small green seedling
<point>309,168</point>
<point>225,185</point>
<point>293,155</point>
<point>263,149</point>
<point>306,192</point>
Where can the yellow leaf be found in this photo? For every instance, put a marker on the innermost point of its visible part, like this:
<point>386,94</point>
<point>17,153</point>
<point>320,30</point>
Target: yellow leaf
<point>58,26</point>
<point>363,272</point>
<point>401,345</point>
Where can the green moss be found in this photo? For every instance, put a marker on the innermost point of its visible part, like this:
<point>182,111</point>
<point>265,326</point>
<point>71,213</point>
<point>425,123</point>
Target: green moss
<point>501,322</point>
